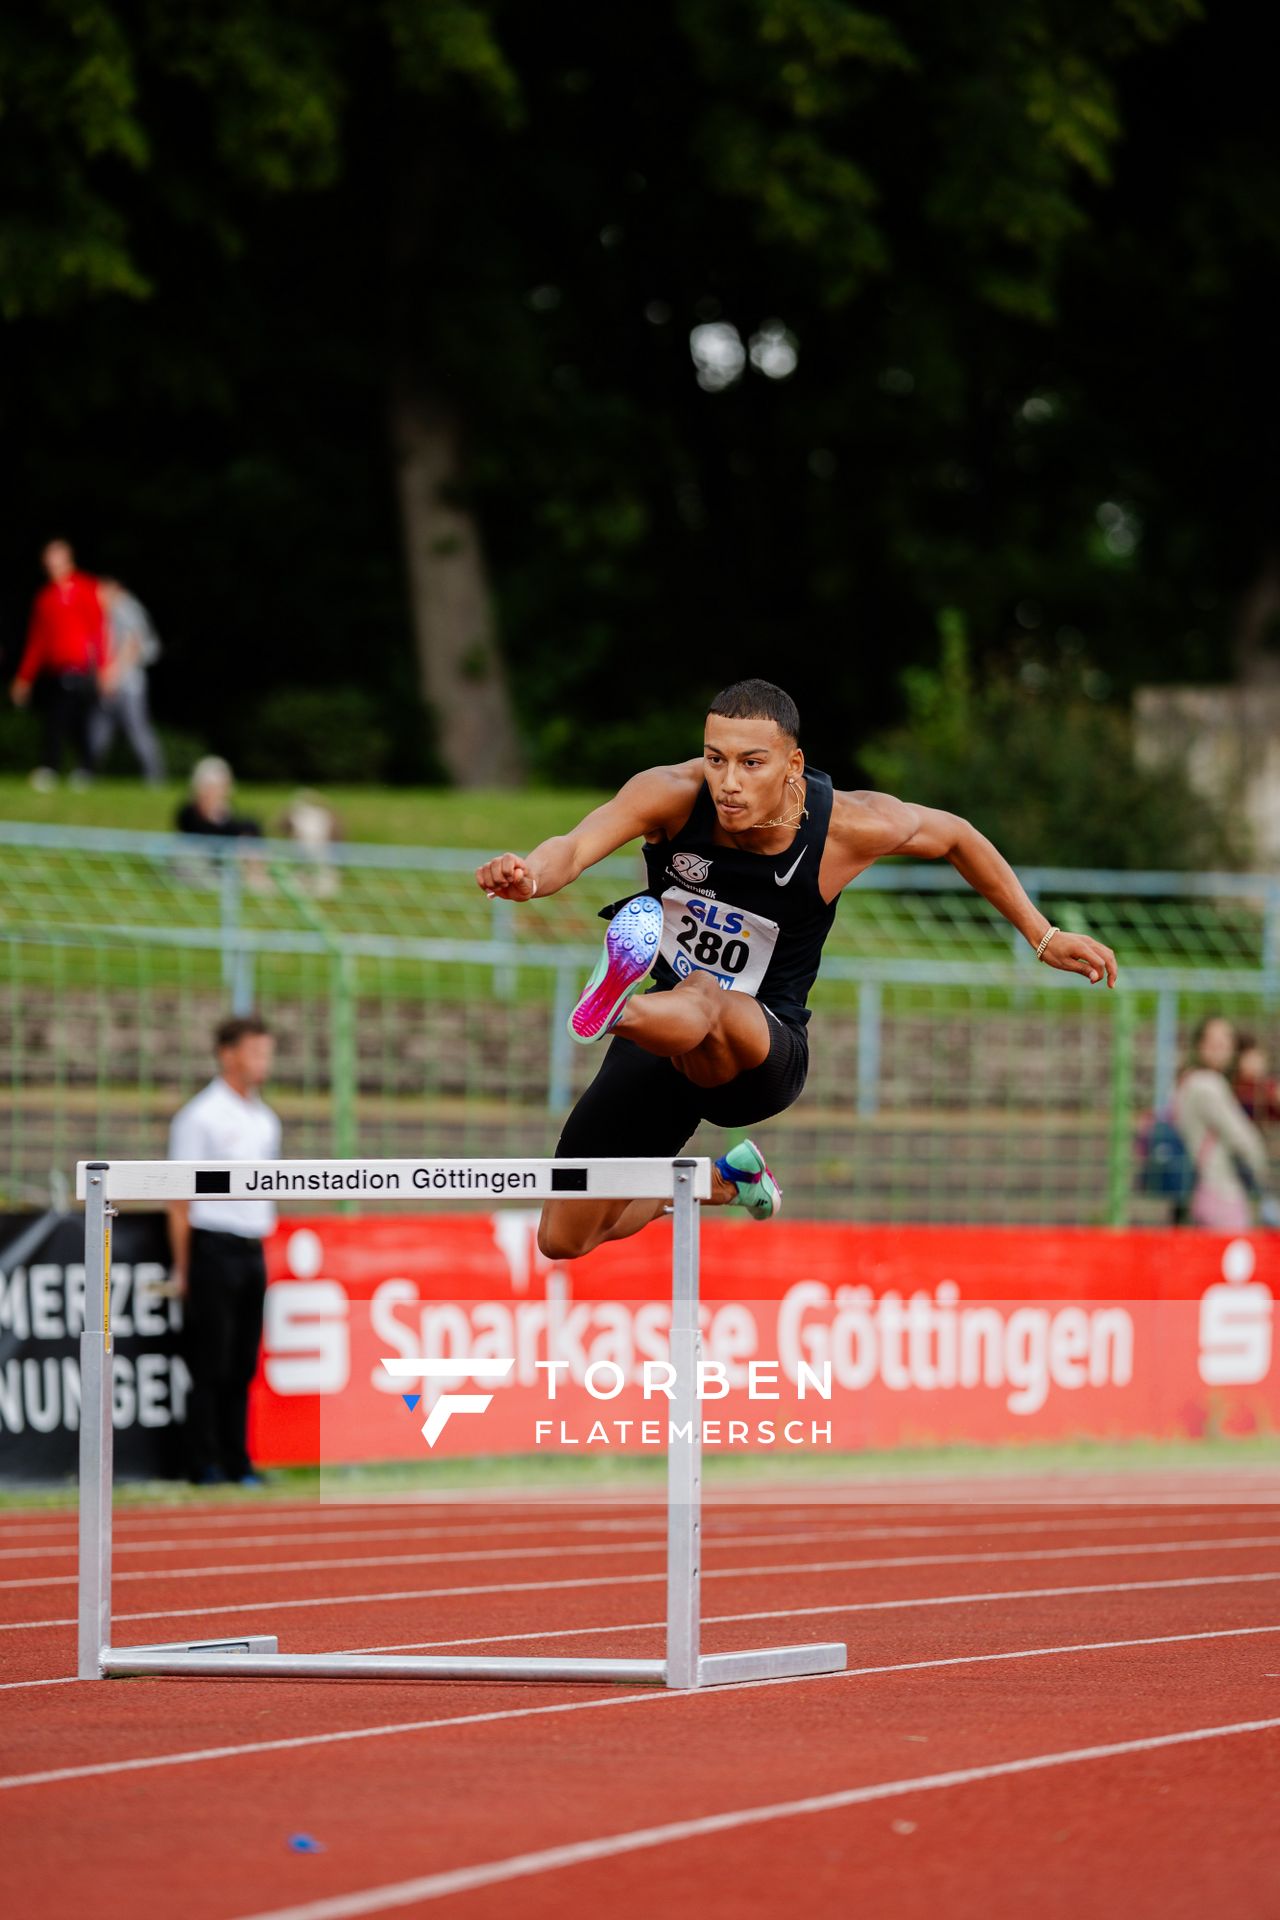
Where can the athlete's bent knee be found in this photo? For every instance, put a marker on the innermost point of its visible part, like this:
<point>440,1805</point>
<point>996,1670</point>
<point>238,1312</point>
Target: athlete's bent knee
<point>704,985</point>
<point>557,1240</point>
<point>701,988</point>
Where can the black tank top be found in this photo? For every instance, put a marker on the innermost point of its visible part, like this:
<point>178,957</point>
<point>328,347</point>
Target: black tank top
<point>755,921</point>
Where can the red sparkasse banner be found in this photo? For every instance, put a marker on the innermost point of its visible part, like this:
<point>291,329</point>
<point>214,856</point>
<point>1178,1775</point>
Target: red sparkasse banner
<point>815,1336</point>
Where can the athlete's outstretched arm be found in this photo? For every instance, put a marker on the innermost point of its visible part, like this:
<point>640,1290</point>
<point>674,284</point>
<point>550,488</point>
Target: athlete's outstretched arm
<point>895,826</point>
<point>649,803</point>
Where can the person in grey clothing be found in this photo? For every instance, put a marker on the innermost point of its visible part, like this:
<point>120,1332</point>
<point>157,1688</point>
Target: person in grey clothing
<point>1228,1152</point>
<point>132,647</point>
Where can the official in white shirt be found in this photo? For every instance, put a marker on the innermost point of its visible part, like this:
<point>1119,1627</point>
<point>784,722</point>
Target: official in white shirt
<point>218,1262</point>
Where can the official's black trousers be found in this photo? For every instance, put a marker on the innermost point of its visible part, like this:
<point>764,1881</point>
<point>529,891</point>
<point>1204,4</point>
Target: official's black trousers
<point>226,1286</point>
<point>66,702</point>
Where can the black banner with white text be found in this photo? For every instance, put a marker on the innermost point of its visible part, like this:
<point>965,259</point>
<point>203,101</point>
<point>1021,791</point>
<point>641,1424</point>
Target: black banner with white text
<point>42,1314</point>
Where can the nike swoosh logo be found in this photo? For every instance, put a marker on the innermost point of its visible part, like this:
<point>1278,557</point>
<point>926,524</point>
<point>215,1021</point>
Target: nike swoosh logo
<point>781,879</point>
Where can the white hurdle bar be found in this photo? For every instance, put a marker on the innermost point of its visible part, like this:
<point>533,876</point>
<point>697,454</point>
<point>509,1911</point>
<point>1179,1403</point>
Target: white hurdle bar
<point>687,1182</point>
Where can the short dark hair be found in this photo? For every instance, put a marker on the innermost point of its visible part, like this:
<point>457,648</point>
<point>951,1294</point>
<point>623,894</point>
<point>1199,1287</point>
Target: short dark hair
<point>238,1027</point>
<point>758,700</point>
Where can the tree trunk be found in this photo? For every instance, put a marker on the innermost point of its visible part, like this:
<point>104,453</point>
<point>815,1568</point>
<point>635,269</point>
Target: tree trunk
<point>460,664</point>
<point>1258,626</point>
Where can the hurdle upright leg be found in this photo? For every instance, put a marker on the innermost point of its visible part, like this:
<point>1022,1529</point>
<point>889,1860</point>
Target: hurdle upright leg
<point>95,1657</point>
<point>684,1444</point>
<point>94,1582</point>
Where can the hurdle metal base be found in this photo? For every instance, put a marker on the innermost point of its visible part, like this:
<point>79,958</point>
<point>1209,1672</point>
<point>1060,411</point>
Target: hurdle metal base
<point>248,1644</point>
<point>256,1657</point>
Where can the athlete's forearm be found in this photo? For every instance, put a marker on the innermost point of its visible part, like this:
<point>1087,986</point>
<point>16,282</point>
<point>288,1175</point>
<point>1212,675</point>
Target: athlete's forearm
<point>989,873</point>
<point>554,864</point>
<point>529,876</point>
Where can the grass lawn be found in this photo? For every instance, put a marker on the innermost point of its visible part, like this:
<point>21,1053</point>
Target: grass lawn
<point>391,816</point>
<point>1257,1455</point>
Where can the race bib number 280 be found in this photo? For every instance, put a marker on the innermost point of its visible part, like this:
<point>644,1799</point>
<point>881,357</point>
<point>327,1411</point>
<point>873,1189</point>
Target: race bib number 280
<point>710,936</point>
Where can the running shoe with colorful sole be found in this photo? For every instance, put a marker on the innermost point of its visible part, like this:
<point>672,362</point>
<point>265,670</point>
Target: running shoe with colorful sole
<point>629,957</point>
<point>757,1190</point>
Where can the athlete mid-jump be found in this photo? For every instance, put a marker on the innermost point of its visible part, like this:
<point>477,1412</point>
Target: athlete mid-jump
<point>747,851</point>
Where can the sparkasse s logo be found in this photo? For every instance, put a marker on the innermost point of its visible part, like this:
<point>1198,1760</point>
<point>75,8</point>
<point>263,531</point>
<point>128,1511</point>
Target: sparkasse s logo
<point>1236,1315</point>
<point>425,1367</point>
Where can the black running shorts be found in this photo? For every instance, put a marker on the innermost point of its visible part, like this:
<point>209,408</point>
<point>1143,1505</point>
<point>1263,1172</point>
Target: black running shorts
<point>639,1106</point>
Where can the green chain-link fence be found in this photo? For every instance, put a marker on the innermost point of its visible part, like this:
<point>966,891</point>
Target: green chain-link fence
<point>952,1078</point>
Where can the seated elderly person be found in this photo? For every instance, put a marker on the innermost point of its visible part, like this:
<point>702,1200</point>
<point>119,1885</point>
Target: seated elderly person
<point>209,808</point>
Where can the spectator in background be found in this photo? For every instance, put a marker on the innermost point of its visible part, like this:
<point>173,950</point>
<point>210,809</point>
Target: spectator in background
<point>218,1264</point>
<point>1255,1089</point>
<point>312,823</point>
<point>209,809</point>
<point>64,655</point>
<point>132,647</point>
<point>1226,1148</point>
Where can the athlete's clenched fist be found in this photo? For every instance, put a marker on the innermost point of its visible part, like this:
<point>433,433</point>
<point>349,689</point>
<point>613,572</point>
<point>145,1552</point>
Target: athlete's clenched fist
<point>506,878</point>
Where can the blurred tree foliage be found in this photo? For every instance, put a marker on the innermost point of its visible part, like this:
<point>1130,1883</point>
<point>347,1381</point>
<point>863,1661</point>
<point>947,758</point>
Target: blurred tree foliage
<point>316,734</point>
<point>773,326</point>
<point>1043,768</point>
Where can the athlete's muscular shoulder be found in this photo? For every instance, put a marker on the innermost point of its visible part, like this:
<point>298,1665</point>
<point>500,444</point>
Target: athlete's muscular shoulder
<point>666,795</point>
<point>865,826</point>
<point>868,824</point>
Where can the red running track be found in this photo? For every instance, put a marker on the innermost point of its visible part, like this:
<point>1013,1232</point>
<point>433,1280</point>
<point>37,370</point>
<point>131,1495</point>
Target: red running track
<point>1055,1703</point>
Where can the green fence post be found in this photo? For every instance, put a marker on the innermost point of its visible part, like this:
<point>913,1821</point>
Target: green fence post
<point>236,976</point>
<point>342,1051</point>
<point>869,1002</point>
<point>560,1058</point>
<point>342,1015</point>
<point>1120,1143</point>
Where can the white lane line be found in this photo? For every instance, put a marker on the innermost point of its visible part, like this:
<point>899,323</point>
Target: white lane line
<point>265,1513</point>
<point>522,1553</point>
<point>961,1492</point>
<point>1075,1485</point>
<point>257,1511</point>
<point>1013,1593</point>
<point>648,1579</point>
<point>871,1494</point>
<point>198,1756</point>
<point>52,1776</point>
<point>246,1538</point>
<point>523,1866</point>
<point>829,1612</point>
<point>1124,1549</point>
<point>927,1531</point>
<point>946,1494</point>
<point>57,1680</point>
<point>849,1673</point>
<point>342,1562</point>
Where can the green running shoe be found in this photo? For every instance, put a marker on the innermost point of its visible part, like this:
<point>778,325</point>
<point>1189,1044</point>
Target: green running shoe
<point>757,1190</point>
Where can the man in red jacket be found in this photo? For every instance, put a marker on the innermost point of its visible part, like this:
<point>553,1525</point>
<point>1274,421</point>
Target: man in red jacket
<point>65,653</point>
